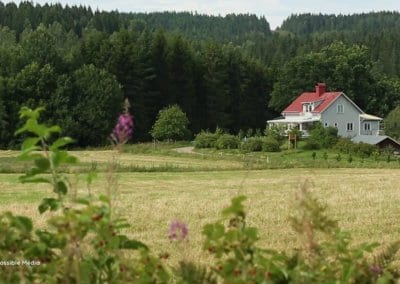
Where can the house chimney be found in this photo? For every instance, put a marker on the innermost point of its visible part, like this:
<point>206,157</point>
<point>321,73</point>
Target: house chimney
<point>320,89</point>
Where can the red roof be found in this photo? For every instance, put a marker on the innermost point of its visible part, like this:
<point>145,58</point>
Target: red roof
<point>326,99</point>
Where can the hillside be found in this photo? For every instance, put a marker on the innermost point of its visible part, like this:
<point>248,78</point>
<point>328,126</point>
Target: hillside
<point>231,72</point>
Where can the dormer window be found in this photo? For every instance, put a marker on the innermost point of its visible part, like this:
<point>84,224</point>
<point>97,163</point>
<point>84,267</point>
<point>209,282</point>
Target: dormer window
<point>308,107</point>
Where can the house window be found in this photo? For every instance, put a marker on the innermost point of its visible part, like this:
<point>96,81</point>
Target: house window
<point>326,124</point>
<point>336,125</point>
<point>367,126</point>
<point>308,107</point>
<point>340,109</point>
<point>350,126</point>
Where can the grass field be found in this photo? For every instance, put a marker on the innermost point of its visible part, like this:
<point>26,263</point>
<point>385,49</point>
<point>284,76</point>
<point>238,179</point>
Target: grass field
<point>365,201</point>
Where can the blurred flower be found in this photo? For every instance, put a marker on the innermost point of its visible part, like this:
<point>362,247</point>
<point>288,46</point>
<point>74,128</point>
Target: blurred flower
<point>123,130</point>
<point>177,231</point>
<point>375,269</point>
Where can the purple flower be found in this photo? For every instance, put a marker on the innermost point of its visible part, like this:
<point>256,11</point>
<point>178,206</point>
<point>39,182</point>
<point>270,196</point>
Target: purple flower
<point>375,269</point>
<point>123,130</point>
<point>177,231</point>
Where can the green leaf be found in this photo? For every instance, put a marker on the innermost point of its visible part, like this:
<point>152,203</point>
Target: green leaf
<point>48,203</point>
<point>29,143</point>
<point>54,129</point>
<point>26,112</point>
<point>24,222</point>
<point>236,207</point>
<point>61,142</point>
<point>125,243</point>
<point>43,164</point>
<point>61,187</point>
<point>60,157</point>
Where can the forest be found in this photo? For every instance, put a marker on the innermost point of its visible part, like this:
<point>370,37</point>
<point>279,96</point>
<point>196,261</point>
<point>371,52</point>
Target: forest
<point>233,72</point>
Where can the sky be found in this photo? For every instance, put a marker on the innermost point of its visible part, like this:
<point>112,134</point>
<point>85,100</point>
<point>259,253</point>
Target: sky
<point>275,11</point>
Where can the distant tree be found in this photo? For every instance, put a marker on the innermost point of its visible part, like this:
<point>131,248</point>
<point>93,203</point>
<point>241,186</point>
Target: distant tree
<point>344,68</point>
<point>392,123</point>
<point>171,124</point>
<point>95,105</point>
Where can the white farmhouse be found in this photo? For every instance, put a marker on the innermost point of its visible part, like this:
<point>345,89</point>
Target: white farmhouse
<point>332,109</point>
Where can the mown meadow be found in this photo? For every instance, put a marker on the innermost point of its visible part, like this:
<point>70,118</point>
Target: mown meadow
<point>157,185</point>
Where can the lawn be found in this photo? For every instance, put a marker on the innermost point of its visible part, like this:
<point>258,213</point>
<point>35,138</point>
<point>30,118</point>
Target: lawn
<point>365,201</point>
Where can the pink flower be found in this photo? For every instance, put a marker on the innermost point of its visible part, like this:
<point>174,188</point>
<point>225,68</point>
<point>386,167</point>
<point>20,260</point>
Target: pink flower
<point>177,231</point>
<point>123,130</point>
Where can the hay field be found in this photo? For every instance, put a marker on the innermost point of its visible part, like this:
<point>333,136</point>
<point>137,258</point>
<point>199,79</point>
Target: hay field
<point>365,201</point>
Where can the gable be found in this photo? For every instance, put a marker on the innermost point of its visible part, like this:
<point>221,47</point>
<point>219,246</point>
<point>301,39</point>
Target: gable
<point>344,100</point>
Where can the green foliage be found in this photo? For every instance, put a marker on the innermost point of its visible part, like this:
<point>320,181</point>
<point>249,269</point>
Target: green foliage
<point>328,255</point>
<point>237,258</point>
<point>392,123</point>
<point>321,137</point>
<point>253,144</point>
<point>346,146</point>
<point>270,144</point>
<point>191,273</point>
<point>276,132</point>
<point>342,67</point>
<point>49,161</point>
<point>227,141</point>
<point>207,139</point>
<point>171,124</point>
<point>82,241</point>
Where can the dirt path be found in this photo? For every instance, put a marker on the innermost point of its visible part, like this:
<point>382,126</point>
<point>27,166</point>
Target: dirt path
<point>186,150</point>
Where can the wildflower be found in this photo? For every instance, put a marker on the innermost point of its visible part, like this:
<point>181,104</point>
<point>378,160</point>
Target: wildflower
<point>177,231</point>
<point>375,269</point>
<point>124,128</point>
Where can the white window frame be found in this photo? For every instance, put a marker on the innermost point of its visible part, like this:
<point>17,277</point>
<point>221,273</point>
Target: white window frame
<point>350,126</point>
<point>308,108</point>
<point>340,108</point>
<point>326,124</point>
<point>336,124</point>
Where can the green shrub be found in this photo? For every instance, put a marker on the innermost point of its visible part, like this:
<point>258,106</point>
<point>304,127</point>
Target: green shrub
<point>206,140</point>
<point>346,146</point>
<point>312,145</point>
<point>253,144</point>
<point>227,141</point>
<point>171,124</point>
<point>270,144</point>
<point>275,132</point>
<point>364,149</point>
<point>321,137</point>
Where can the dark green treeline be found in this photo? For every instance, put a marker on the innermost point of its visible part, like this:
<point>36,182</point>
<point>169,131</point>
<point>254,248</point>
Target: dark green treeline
<point>231,71</point>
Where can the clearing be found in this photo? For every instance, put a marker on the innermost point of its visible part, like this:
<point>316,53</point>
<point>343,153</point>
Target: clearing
<point>365,201</point>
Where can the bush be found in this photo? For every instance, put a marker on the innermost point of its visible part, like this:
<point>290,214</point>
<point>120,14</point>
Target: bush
<point>312,145</point>
<point>275,132</point>
<point>346,146</point>
<point>321,137</point>
<point>364,149</point>
<point>171,124</point>
<point>270,144</point>
<point>227,141</point>
<point>253,144</point>
<point>206,140</point>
